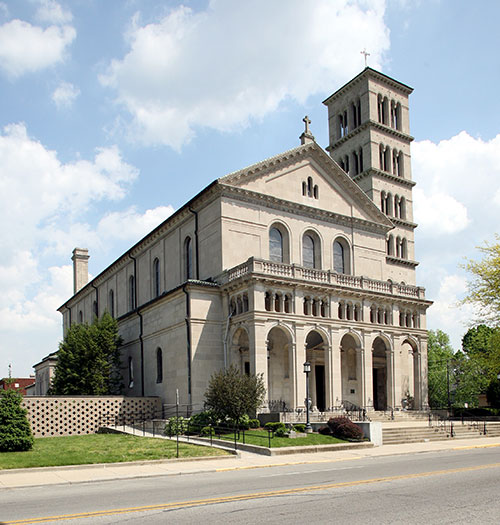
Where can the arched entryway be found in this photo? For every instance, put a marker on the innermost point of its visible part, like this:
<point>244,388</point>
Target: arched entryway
<point>279,368</point>
<point>351,369</point>
<point>410,384</point>
<point>315,354</point>
<point>239,354</point>
<point>380,375</point>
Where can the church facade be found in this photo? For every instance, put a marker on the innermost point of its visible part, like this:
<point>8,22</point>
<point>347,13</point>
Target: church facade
<point>306,256</point>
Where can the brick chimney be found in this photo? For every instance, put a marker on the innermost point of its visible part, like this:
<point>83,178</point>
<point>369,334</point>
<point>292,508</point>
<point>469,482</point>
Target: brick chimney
<point>80,268</point>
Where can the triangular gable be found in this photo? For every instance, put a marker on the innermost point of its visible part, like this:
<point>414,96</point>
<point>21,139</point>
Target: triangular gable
<point>308,169</point>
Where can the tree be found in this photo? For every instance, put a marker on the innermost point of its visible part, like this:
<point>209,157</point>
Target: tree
<point>482,345</point>
<point>88,360</point>
<point>493,393</point>
<point>232,394</point>
<point>15,430</point>
<point>484,288</point>
<point>439,357</point>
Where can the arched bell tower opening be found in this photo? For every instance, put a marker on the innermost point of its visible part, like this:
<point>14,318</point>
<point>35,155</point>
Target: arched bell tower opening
<point>315,354</point>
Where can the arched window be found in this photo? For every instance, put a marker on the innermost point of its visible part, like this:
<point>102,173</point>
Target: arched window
<point>388,204</point>
<point>399,164</point>
<point>188,258</point>
<point>111,303</point>
<point>396,206</point>
<point>131,292</point>
<point>308,251</point>
<point>338,257</point>
<point>390,245</point>
<point>159,366</point>
<point>130,372</point>
<point>341,256</point>
<point>267,302</point>
<point>287,305</point>
<point>404,248</point>
<point>380,108</point>
<point>80,317</point>
<point>156,277</point>
<point>95,309</point>
<point>245,302</point>
<point>275,245</point>
<point>402,208</point>
<point>309,187</point>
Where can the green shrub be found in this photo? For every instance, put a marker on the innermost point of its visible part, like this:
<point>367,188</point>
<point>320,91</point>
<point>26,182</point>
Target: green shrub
<point>281,432</point>
<point>273,426</point>
<point>242,424</point>
<point>15,431</point>
<point>299,427</point>
<point>343,428</point>
<point>207,432</point>
<point>203,419</point>
<point>176,425</point>
<point>254,423</point>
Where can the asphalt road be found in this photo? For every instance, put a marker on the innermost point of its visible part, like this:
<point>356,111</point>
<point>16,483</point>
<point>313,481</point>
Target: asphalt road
<point>440,487</point>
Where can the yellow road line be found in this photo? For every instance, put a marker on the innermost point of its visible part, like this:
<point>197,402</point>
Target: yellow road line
<point>477,446</point>
<point>241,497</point>
<point>291,463</point>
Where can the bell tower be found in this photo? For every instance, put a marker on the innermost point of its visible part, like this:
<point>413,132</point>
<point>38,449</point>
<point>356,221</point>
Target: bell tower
<point>369,137</point>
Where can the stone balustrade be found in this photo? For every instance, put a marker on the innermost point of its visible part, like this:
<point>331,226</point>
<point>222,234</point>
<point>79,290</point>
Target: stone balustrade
<point>292,271</point>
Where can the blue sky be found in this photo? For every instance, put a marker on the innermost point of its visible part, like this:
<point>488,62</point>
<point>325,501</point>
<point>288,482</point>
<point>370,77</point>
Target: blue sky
<point>114,113</point>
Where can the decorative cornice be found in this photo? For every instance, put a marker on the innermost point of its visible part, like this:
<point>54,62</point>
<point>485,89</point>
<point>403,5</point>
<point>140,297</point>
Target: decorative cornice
<point>401,262</point>
<point>370,124</point>
<point>309,212</point>
<point>369,72</point>
<point>402,223</point>
<point>374,172</point>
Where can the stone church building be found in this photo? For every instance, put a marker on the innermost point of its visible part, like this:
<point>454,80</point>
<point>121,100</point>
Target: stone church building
<point>305,256</point>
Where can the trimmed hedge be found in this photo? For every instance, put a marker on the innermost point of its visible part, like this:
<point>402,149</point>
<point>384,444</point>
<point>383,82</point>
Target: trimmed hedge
<point>343,428</point>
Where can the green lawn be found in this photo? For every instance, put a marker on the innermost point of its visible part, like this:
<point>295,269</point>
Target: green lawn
<point>99,448</point>
<point>260,437</point>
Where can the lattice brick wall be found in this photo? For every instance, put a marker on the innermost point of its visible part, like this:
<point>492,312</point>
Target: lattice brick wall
<point>66,416</point>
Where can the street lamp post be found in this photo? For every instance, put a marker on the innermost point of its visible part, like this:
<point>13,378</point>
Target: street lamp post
<point>307,369</point>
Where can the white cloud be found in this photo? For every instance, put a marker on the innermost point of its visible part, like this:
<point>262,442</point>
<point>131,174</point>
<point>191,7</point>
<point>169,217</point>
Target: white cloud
<point>52,12</point>
<point>44,204</point>
<point>455,203</point>
<point>446,313</point>
<point>458,185</point>
<point>439,213</point>
<point>235,62</point>
<point>25,48</point>
<point>131,225</point>
<point>65,94</point>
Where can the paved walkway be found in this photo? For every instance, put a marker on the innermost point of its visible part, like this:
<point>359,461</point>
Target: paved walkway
<point>16,478</point>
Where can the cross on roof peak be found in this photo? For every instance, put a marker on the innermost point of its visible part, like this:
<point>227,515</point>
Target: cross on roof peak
<point>365,52</point>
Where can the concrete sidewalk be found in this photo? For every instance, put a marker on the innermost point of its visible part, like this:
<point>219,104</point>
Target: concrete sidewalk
<point>17,478</point>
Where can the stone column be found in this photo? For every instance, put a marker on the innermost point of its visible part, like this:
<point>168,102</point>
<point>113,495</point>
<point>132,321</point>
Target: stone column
<point>258,350</point>
<point>336,370</point>
<point>328,376</point>
<point>300,359</point>
<point>368,369</point>
<point>397,366</point>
